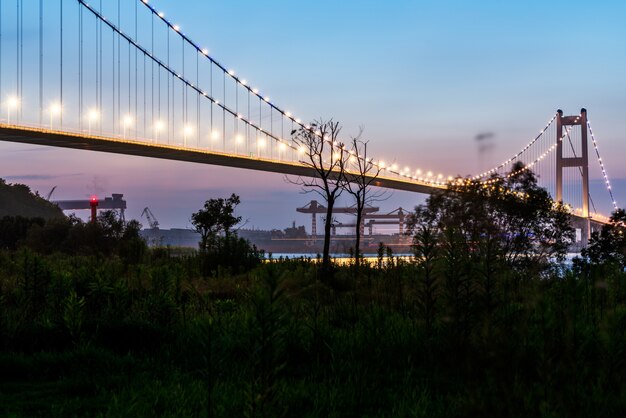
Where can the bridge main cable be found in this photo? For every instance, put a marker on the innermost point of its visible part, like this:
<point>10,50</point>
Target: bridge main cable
<point>180,77</point>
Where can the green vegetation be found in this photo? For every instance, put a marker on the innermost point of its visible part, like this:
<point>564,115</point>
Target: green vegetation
<point>485,321</point>
<point>17,200</point>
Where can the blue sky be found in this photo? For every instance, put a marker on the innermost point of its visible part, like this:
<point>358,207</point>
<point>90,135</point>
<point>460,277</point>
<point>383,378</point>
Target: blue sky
<point>422,79</point>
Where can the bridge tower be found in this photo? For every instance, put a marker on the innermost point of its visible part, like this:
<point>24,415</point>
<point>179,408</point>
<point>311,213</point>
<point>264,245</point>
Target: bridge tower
<point>581,161</point>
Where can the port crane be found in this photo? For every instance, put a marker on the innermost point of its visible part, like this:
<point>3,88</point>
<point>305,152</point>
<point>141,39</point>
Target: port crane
<point>152,220</point>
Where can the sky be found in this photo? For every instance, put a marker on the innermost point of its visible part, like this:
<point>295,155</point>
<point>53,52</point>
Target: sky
<point>422,78</point>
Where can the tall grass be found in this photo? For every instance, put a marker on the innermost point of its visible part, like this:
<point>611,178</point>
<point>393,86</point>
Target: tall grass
<point>442,336</point>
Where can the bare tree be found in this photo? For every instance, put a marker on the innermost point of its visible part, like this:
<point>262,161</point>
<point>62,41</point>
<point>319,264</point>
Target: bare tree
<point>324,154</point>
<point>360,173</point>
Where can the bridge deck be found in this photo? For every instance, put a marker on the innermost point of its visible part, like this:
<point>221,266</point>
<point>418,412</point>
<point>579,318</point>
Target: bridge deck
<point>83,141</point>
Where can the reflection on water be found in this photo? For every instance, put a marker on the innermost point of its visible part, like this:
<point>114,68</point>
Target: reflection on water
<point>340,259</point>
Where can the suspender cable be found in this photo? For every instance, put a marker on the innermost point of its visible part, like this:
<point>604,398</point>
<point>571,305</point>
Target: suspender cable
<point>198,100</point>
<point>17,54</point>
<point>152,69</point>
<point>101,64</point>
<point>1,50</point>
<point>115,114</point>
<point>184,97</point>
<point>97,25</point>
<point>80,68</point>
<point>61,60</point>
<point>40,61</point>
<point>21,56</point>
<point>169,122</point>
<point>136,64</point>
<point>119,57</point>
<point>224,117</point>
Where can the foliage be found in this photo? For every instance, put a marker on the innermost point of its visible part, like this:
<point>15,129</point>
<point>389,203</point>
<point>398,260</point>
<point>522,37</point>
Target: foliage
<point>216,217</point>
<point>89,336</point>
<point>14,229</point>
<point>609,245</point>
<point>18,200</point>
<point>508,223</point>
<point>232,253</point>
<point>109,235</point>
<point>466,328</point>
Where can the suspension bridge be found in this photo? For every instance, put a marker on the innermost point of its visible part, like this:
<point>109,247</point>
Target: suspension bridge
<point>121,77</point>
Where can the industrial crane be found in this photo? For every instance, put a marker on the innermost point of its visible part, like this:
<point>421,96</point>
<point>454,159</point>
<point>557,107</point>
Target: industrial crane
<point>152,220</point>
<point>50,194</point>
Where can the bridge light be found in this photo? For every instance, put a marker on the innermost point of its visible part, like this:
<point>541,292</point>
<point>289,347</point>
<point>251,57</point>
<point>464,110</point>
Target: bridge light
<point>429,174</point>
<point>298,121</point>
<point>159,126</point>
<point>187,131</point>
<point>238,139</point>
<point>336,155</point>
<point>261,142</point>
<point>12,103</point>
<point>288,114</point>
<point>418,171</point>
<point>381,164</point>
<point>266,98</point>
<point>394,167</point>
<point>161,15</point>
<point>127,122</point>
<point>92,116</point>
<point>176,28</point>
<point>55,110</point>
<point>215,135</point>
<point>301,150</point>
<point>244,82</point>
<point>205,51</point>
<point>231,72</point>
<point>255,90</point>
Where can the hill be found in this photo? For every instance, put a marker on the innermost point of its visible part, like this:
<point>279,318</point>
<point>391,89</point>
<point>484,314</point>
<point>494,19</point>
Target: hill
<point>18,199</point>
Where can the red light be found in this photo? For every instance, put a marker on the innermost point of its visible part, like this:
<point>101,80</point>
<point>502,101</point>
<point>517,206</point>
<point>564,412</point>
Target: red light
<point>94,199</point>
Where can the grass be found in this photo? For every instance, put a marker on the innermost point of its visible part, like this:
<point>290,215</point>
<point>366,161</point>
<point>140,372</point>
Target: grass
<point>89,336</point>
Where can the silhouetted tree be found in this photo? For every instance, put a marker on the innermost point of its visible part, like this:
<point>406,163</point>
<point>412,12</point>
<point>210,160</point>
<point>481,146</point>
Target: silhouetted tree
<point>14,229</point>
<point>216,217</point>
<point>508,219</point>
<point>360,173</point>
<point>324,154</point>
<point>609,245</point>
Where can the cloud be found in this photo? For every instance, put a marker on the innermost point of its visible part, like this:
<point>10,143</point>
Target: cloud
<point>39,176</point>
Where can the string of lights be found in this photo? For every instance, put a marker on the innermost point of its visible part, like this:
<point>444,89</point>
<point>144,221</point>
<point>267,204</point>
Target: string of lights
<point>580,170</point>
<point>183,80</point>
<point>255,91</point>
<point>267,130</point>
<point>516,156</point>
<point>606,177</point>
<point>538,159</point>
